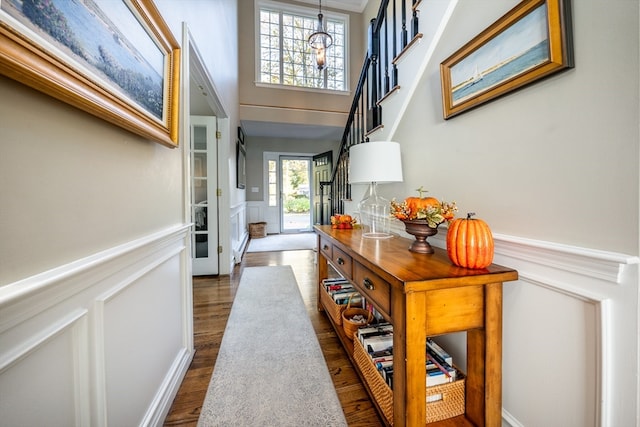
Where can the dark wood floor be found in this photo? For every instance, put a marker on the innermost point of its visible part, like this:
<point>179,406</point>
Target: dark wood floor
<point>212,300</point>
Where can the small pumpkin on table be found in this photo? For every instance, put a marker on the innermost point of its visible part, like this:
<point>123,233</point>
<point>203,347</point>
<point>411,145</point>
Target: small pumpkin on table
<point>421,217</point>
<point>342,221</point>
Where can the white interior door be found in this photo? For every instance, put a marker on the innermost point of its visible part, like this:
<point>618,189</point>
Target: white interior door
<point>204,200</point>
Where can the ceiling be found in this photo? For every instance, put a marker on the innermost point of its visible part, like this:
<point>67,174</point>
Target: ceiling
<point>349,5</point>
<point>290,130</point>
<point>200,106</point>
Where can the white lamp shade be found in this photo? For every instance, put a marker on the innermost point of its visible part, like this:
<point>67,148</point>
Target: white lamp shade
<point>376,161</point>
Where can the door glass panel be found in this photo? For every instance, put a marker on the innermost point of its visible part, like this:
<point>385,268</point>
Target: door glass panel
<point>199,137</point>
<point>199,186</point>
<point>273,184</point>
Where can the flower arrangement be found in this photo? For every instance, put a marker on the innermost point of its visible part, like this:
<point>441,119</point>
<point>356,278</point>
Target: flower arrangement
<point>428,209</point>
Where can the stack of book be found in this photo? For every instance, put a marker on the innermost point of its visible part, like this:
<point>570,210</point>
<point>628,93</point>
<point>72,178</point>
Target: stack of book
<point>377,340</point>
<point>440,368</point>
<point>340,290</point>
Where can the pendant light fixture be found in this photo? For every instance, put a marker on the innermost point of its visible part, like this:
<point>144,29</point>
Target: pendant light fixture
<point>320,40</point>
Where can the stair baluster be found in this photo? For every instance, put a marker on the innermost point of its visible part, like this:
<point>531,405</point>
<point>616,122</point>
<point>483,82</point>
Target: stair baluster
<point>378,77</point>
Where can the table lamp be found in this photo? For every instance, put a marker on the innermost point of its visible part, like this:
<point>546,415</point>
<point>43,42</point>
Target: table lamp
<point>374,163</point>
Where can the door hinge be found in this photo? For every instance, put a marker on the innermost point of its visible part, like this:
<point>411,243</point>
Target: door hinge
<point>219,192</point>
<point>218,134</point>
<point>219,249</point>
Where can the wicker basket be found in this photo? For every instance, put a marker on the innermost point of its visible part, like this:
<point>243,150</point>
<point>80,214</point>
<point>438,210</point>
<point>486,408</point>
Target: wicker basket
<point>334,311</point>
<point>257,230</point>
<point>451,404</point>
<point>350,327</point>
<point>381,392</point>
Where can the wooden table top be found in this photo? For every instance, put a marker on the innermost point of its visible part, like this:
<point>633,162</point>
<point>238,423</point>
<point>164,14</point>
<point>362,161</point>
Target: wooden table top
<point>392,259</point>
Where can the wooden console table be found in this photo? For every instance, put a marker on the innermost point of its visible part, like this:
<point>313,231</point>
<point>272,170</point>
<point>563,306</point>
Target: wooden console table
<point>425,295</point>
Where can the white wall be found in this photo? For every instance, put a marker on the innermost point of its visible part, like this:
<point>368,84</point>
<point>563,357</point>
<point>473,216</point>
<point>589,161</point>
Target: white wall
<point>95,286</point>
<point>256,147</point>
<point>554,170</point>
<point>214,27</point>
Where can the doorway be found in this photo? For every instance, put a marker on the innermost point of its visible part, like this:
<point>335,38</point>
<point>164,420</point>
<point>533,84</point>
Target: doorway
<point>204,201</point>
<point>322,169</point>
<point>295,194</point>
<point>206,138</point>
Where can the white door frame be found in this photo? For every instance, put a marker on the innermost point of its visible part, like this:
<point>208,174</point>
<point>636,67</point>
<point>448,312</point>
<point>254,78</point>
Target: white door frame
<point>194,70</point>
<point>271,214</point>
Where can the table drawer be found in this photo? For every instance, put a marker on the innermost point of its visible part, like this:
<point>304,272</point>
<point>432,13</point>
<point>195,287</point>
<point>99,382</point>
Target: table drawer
<point>374,287</point>
<point>326,247</point>
<point>342,262</point>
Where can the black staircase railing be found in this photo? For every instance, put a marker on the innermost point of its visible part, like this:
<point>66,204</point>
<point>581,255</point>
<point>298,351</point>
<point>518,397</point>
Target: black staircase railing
<point>388,40</point>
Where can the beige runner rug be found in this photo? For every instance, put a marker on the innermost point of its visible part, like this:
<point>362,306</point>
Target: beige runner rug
<point>270,369</point>
<point>284,242</point>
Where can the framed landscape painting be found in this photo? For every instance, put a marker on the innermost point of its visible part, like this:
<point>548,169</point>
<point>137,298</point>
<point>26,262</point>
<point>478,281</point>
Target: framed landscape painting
<point>115,59</point>
<point>532,41</point>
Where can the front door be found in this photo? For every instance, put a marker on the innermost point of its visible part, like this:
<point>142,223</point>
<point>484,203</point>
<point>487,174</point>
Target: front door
<point>322,169</point>
<point>204,199</point>
<point>295,194</point>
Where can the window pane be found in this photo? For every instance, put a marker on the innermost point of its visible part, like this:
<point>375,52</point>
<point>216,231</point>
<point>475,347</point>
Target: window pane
<point>285,56</point>
<point>273,183</point>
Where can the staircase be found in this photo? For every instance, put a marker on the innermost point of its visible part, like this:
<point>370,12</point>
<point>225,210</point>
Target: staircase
<point>400,45</point>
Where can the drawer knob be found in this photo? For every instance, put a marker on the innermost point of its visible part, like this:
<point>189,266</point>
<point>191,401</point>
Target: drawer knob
<point>368,284</point>
<point>325,247</point>
<point>340,261</point>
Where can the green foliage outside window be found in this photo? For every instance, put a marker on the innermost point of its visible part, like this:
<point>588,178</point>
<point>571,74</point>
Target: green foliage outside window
<point>297,205</point>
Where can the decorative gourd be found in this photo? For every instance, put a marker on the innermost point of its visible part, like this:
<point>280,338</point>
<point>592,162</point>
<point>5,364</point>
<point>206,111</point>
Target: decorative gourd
<point>415,204</point>
<point>470,242</point>
<point>342,221</point>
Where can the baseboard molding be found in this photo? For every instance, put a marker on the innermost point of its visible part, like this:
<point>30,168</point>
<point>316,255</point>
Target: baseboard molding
<point>161,404</point>
<point>510,420</point>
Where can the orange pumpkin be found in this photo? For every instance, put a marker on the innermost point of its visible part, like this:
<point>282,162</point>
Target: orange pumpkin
<point>470,242</point>
<point>415,204</point>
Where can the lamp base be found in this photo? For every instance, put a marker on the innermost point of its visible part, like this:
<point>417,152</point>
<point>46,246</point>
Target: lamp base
<point>374,215</point>
<point>377,235</point>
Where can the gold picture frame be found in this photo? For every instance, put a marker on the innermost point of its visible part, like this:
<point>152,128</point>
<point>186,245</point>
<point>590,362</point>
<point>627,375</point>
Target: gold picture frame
<point>101,59</point>
<point>531,41</point>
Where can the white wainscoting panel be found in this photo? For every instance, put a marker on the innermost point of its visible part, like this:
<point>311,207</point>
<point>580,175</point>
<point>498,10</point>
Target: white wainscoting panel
<point>100,341</point>
<point>58,376</point>
<point>239,232</point>
<point>260,211</point>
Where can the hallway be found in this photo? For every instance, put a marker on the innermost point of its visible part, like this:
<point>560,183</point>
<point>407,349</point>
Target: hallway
<point>212,300</point>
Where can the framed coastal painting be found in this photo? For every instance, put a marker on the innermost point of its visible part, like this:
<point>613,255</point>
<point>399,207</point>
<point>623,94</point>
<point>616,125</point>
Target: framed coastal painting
<point>531,41</point>
<point>115,59</point>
